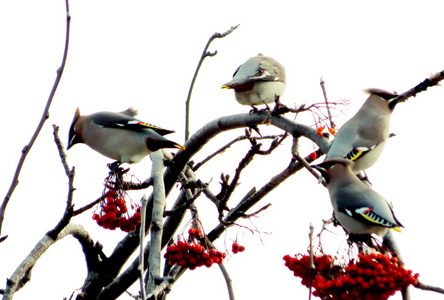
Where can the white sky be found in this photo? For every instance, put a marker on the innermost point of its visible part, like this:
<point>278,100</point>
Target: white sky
<point>143,54</point>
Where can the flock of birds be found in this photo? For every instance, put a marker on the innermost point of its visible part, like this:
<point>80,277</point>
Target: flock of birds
<point>261,80</point>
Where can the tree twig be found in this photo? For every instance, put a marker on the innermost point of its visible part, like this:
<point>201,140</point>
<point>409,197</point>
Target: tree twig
<point>324,92</point>
<point>45,116</point>
<point>228,145</point>
<point>426,287</point>
<point>69,210</point>
<point>228,281</point>
<point>205,54</point>
<point>304,162</point>
<point>88,206</point>
<point>433,80</point>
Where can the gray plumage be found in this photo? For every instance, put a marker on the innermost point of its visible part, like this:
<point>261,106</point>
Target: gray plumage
<point>358,208</point>
<point>118,136</point>
<point>362,138</point>
<point>260,80</point>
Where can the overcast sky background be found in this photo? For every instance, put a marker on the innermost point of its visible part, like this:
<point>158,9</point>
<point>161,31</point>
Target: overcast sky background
<point>143,54</point>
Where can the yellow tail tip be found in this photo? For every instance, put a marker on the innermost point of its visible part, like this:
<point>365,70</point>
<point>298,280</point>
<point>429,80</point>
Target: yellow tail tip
<point>398,229</point>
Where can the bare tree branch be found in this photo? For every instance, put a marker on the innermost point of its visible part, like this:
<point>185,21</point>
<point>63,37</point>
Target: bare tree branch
<point>433,80</point>
<point>299,158</point>
<point>247,216</point>
<point>156,221</point>
<point>69,211</point>
<point>39,249</point>
<point>88,206</point>
<point>240,210</point>
<point>141,267</point>
<point>45,116</point>
<point>324,92</point>
<point>228,281</point>
<point>205,54</point>
<point>426,287</point>
<point>228,145</point>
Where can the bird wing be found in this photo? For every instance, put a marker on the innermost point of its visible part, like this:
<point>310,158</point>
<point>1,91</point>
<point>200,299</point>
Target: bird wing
<point>260,68</point>
<point>271,70</point>
<point>123,121</point>
<point>357,152</point>
<point>351,144</point>
<point>365,205</point>
<point>369,216</point>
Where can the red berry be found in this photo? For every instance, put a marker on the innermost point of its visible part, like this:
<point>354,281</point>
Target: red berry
<point>208,262</point>
<point>320,130</point>
<point>313,156</point>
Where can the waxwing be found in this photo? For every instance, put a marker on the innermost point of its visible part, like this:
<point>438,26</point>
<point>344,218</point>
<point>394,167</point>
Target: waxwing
<point>362,138</point>
<point>118,136</point>
<point>260,80</point>
<point>357,207</point>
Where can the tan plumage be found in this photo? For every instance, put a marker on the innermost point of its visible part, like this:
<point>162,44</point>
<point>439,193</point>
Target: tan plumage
<point>260,80</point>
<point>358,208</point>
<point>118,136</point>
<point>362,138</point>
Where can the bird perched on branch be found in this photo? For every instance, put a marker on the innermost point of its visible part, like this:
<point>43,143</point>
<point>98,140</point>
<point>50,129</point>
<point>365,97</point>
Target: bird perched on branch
<point>119,136</point>
<point>358,208</point>
<point>260,80</point>
<point>362,138</point>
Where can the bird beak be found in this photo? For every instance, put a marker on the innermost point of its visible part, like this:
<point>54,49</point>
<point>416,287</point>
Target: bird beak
<point>75,139</point>
<point>226,86</point>
<point>72,137</point>
<point>393,102</point>
<point>323,172</point>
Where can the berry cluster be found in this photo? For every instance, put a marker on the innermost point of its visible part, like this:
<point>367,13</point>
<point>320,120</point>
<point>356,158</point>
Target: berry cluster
<point>114,213</point>
<point>320,131</point>
<point>192,255</point>
<point>236,248</point>
<point>300,265</point>
<point>195,233</point>
<point>369,277</point>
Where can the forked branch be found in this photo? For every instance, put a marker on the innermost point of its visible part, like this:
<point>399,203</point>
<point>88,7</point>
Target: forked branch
<point>205,54</point>
<point>45,116</point>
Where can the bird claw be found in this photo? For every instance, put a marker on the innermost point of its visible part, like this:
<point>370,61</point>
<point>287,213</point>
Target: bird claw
<point>253,110</point>
<point>279,108</point>
<point>115,167</point>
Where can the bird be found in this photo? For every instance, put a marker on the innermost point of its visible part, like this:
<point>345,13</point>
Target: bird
<point>357,207</point>
<point>362,138</point>
<point>118,135</point>
<point>260,80</point>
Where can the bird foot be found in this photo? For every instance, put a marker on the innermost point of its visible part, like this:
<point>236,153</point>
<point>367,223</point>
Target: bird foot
<point>115,167</point>
<point>279,108</point>
<point>254,110</point>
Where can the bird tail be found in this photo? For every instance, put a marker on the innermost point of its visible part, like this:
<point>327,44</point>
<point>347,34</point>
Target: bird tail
<point>156,144</point>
